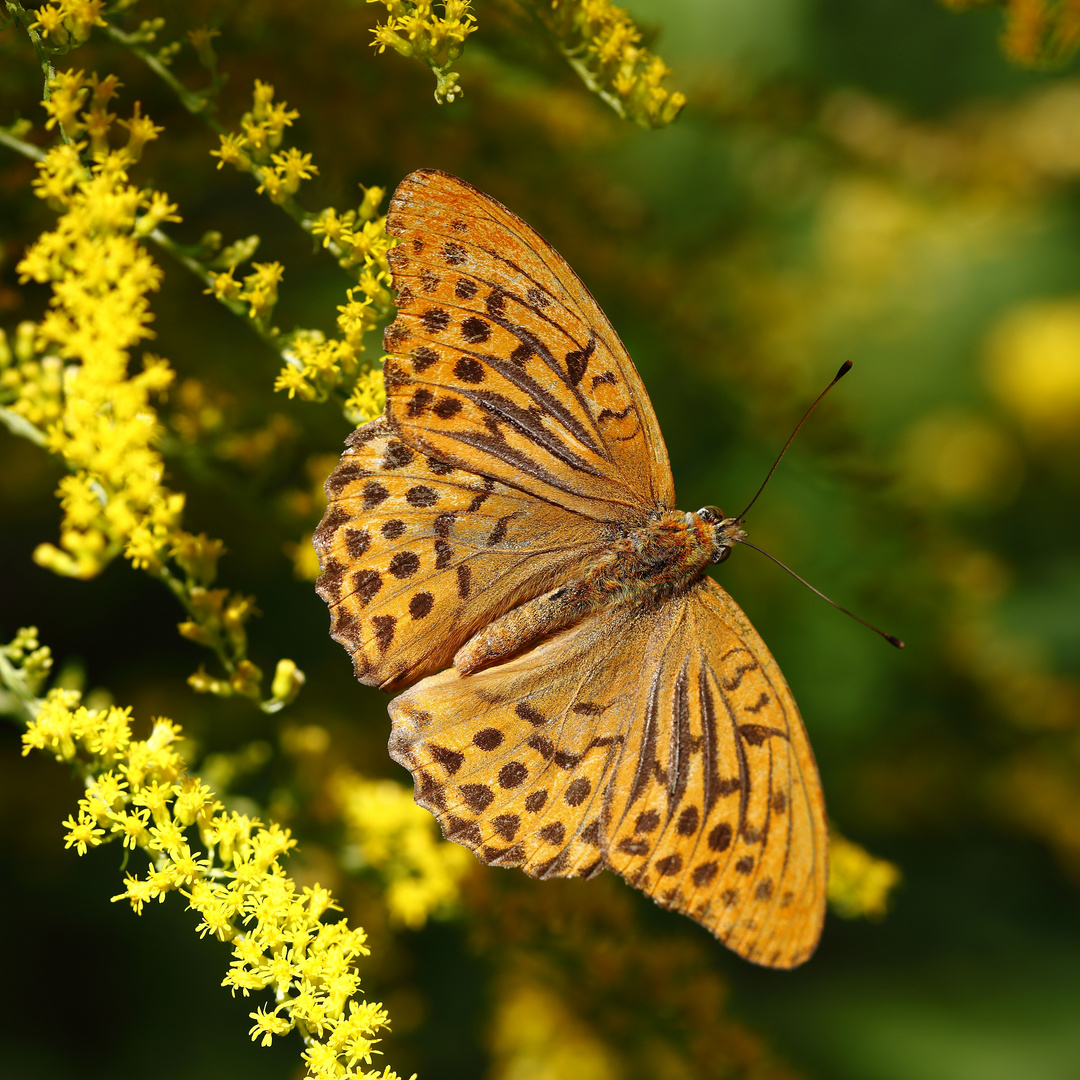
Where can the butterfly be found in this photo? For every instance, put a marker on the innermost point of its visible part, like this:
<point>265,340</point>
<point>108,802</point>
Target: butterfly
<point>505,538</point>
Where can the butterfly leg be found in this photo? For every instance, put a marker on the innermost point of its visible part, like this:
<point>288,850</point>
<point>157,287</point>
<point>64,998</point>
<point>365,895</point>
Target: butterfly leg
<point>523,625</point>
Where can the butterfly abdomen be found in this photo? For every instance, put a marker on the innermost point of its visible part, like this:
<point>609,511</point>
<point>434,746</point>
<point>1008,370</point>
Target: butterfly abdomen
<point>644,566</point>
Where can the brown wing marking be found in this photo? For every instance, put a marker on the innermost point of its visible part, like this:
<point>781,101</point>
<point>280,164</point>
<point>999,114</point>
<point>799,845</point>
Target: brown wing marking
<point>417,555</point>
<point>505,364</point>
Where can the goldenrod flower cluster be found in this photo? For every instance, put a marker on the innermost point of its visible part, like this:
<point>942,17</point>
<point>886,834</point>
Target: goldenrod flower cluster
<point>1038,33</point>
<point>315,366</point>
<point>388,832</point>
<point>859,883</point>
<point>253,148</point>
<point>413,29</point>
<point>603,45</point>
<point>24,666</point>
<point>97,418</point>
<point>228,867</point>
<point>67,379</point>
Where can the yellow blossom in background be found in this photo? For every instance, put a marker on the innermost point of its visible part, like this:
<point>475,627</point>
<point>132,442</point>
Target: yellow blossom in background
<point>603,45</point>
<point>307,505</point>
<point>227,866</point>
<point>957,457</point>
<point>536,1035</point>
<point>859,883</point>
<point>1033,367</point>
<point>386,831</point>
<point>98,419</point>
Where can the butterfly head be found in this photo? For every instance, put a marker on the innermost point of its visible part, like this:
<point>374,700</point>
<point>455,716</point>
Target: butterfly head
<point>725,531</point>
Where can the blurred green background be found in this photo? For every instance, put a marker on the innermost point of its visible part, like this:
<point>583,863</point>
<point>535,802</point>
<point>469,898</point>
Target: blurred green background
<point>851,179</point>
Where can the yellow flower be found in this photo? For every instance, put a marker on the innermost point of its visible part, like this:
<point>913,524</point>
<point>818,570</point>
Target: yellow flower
<point>274,185</point>
<point>141,130</point>
<point>50,21</point>
<point>224,286</point>
<point>82,834</point>
<point>859,883</point>
<point>260,288</point>
<point>293,167</point>
<point>257,137</point>
<point>232,152</point>
<point>388,833</point>
<point>68,92</point>
<point>267,1025</point>
<point>414,29</point>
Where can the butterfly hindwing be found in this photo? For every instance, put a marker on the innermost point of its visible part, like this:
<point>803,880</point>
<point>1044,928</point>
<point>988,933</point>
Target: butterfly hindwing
<point>723,817</point>
<point>502,362</point>
<point>662,743</point>
<point>514,759</point>
<point>417,555</point>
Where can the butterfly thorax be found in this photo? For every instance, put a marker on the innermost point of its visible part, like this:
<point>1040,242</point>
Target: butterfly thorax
<point>643,567</point>
<point>651,563</point>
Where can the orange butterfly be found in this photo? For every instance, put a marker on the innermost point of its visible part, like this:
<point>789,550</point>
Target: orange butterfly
<point>604,703</point>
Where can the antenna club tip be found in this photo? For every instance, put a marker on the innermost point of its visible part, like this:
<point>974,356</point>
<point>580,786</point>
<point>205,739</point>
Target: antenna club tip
<point>845,367</point>
<point>895,641</point>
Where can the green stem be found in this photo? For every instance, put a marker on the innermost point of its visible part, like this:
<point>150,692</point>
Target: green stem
<point>19,425</point>
<point>12,678</point>
<point>19,15</point>
<point>29,150</point>
<point>591,82</point>
<point>194,103</point>
<point>180,591</point>
<point>167,244</point>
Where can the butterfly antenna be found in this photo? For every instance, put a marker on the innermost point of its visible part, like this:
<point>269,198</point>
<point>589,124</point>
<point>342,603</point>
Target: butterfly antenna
<point>844,369</point>
<point>890,638</point>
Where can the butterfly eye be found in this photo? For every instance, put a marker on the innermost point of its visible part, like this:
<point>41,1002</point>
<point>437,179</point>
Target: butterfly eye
<point>711,513</point>
<point>724,553</point>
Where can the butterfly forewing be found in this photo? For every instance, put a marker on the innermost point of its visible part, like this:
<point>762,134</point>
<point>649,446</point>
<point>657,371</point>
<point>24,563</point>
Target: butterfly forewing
<point>416,555</point>
<point>662,743</point>
<point>502,361</point>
